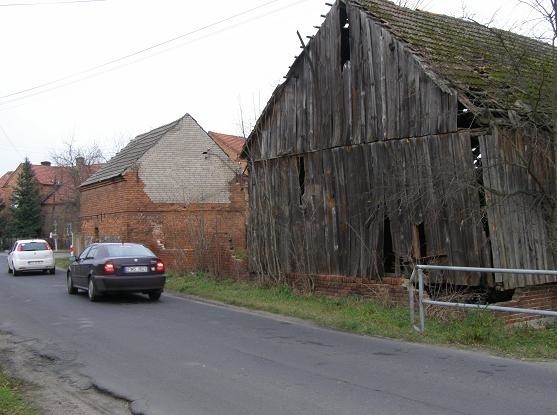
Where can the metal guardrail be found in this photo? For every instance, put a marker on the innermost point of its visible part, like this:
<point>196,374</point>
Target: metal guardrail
<point>418,273</point>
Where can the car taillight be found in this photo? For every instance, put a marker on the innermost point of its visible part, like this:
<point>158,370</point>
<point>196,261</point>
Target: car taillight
<point>159,267</point>
<point>109,267</point>
<point>48,247</point>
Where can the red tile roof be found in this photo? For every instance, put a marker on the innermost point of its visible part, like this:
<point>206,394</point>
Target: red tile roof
<point>4,179</point>
<point>230,144</point>
<point>3,186</point>
<point>57,184</point>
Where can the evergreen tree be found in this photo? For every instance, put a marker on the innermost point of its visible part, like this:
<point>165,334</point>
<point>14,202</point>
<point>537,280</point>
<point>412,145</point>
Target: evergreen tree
<point>3,224</point>
<point>25,218</point>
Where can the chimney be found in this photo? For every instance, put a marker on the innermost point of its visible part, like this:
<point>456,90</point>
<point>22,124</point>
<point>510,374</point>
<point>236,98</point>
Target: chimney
<point>80,161</point>
<point>45,163</point>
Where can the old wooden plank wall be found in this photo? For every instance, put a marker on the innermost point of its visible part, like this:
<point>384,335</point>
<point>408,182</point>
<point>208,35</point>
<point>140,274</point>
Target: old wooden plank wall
<point>381,93</point>
<point>338,228</point>
<point>350,146</point>
<point>517,189</point>
<point>350,151</point>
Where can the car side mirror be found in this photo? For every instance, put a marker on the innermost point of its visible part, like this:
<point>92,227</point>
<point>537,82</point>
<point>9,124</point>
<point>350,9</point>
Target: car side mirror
<point>73,258</point>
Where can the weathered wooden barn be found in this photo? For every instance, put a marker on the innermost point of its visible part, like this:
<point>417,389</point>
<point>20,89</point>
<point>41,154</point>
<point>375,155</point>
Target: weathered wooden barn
<point>401,136</point>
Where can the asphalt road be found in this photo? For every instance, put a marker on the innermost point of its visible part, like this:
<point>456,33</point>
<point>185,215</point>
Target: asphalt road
<point>181,356</point>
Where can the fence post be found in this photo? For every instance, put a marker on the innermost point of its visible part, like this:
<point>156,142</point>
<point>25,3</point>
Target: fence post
<point>421,300</point>
<point>411,291</point>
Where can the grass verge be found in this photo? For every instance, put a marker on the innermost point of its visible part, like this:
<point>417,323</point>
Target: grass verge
<point>11,402</point>
<point>357,315</point>
<point>62,263</point>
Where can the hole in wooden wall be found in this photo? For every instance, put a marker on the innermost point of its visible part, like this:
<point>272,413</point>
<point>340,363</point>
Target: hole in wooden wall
<point>465,118</point>
<point>477,160</point>
<point>388,251</point>
<point>419,244</point>
<point>301,179</point>
<point>344,36</point>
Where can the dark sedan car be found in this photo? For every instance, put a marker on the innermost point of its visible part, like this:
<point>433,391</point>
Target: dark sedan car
<point>116,267</point>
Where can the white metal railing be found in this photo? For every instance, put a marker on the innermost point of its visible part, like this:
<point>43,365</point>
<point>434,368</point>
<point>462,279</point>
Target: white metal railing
<point>418,273</point>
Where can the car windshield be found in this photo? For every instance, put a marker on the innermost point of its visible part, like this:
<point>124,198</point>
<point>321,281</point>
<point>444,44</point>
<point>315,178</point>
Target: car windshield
<point>128,250</point>
<point>34,246</point>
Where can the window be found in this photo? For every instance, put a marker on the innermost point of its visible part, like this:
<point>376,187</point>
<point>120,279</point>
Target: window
<point>84,254</point>
<point>127,250</point>
<point>34,246</point>
<point>92,253</point>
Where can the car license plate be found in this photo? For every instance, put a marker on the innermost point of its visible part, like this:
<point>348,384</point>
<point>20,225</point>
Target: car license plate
<point>136,269</point>
<point>34,262</point>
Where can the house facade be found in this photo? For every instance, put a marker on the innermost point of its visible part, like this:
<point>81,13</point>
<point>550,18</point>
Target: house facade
<point>175,190</point>
<point>58,187</point>
<point>401,137</point>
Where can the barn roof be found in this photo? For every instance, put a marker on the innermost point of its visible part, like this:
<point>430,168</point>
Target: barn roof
<point>492,68</point>
<point>130,154</point>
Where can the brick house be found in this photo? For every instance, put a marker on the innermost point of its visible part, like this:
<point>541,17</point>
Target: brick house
<point>177,191</point>
<point>59,196</point>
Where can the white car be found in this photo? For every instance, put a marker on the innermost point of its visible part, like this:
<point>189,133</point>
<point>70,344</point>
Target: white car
<point>31,255</point>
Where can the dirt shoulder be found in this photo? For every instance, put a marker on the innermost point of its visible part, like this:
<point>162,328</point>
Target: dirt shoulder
<point>51,383</point>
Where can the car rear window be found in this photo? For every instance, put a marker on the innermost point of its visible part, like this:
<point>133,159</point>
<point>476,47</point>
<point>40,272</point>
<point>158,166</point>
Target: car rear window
<point>34,246</point>
<point>128,250</point>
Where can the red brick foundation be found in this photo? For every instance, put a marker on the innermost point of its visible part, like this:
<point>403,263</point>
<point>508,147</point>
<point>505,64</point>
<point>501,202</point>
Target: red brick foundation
<point>389,290</point>
<point>540,297</point>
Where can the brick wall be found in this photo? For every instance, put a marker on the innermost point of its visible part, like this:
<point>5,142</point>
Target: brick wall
<point>188,237</point>
<point>388,290</point>
<point>540,297</point>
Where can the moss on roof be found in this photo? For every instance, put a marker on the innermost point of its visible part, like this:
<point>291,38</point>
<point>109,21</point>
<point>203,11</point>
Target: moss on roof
<point>497,69</point>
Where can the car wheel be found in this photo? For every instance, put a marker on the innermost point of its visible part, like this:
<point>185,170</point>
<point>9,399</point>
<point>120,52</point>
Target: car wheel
<point>15,272</point>
<point>91,292</point>
<point>154,295</point>
<point>69,283</point>
<point>52,271</point>
<point>9,269</point>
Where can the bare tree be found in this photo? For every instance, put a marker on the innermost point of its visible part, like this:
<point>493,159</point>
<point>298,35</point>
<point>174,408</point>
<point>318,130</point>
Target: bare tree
<point>77,164</point>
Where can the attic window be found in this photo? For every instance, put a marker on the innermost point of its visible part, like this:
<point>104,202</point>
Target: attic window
<point>301,179</point>
<point>344,35</point>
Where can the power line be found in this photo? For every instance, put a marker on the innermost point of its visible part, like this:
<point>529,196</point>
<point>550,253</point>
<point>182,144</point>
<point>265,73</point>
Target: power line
<point>141,58</point>
<point>10,141</point>
<point>130,55</point>
<point>49,3</point>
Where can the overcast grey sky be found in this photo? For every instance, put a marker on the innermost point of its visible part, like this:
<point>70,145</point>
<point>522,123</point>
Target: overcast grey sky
<point>229,55</point>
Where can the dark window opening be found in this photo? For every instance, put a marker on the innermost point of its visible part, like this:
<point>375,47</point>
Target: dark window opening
<point>344,35</point>
<point>476,153</point>
<point>498,296</point>
<point>388,252</point>
<point>477,160</point>
<point>466,118</point>
<point>96,234</point>
<point>301,178</point>
<point>419,245</point>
